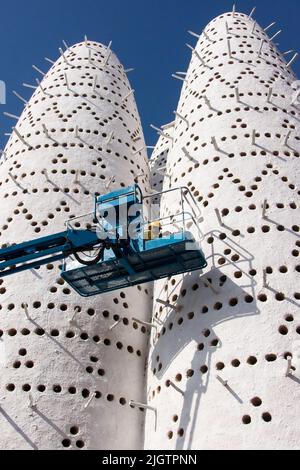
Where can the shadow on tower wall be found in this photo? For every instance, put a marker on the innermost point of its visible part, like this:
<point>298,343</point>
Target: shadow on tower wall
<point>207,306</point>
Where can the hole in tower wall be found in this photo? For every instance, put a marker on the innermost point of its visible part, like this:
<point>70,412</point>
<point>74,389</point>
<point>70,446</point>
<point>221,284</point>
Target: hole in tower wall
<point>283,330</point>
<point>66,443</point>
<point>266,417</point>
<point>235,363</point>
<point>74,430</point>
<point>289,318</point>
<point>246,419</point>
<point>80,444</point>
<point>271,357</point>
<point>256,401</point>
<point>252,360</point>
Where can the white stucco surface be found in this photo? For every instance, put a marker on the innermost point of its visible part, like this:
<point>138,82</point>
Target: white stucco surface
<point>216,367</point>
<point>80,135</point>
<point>242,329</point>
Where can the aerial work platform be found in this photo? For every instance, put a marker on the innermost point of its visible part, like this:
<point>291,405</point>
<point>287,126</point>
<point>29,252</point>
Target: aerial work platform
<point>122,243</point>
<point>158,260</point>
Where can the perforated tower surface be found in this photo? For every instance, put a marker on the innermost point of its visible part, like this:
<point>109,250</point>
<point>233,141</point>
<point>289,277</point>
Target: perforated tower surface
<point>158,161</point>
<point>66,381</point>
<point>217,371</point>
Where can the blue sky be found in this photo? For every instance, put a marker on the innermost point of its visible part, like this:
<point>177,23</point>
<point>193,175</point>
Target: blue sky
<point>147,35</point>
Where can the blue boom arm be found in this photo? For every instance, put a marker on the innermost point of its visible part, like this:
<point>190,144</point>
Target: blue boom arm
<point>31,254</point>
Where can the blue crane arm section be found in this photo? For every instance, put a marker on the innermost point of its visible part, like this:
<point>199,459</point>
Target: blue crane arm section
<point>31,254</point>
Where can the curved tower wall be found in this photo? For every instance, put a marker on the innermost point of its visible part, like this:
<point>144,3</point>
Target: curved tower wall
<point>217,371</point>
<point>66,381</point>
<point>158,160</point>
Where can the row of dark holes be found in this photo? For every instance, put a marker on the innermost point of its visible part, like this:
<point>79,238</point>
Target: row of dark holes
<point>232,155</point>
<point>236,257</point>
<point>223,236</point>
<point>55,172</point>
<point>287,153</point>
<point>234,137</point>
<point>197,94</point>
<point>84,95</point>
<point>67,443</point>
<point>30,364</point>
<point>81,145</point>
<point>54,189</point>
<point>238,109</point>
<point>282,329</point>
<point>274,74</point>
<point>222,280</point>
<point>249,61</point>
<point>73,144</point>
<point>217,76</point>
<point>269,270</point>
<point>279,205</point>
<point>266,416</point>
<point>72,390</point>
<point>252,49</point>
<point>115,115</point>
<point>251,360</point>
<point>211,195</point>
<point>241,188</point>
<point>180,433</point>
<point>70,334</point>
<point>217,114</point>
